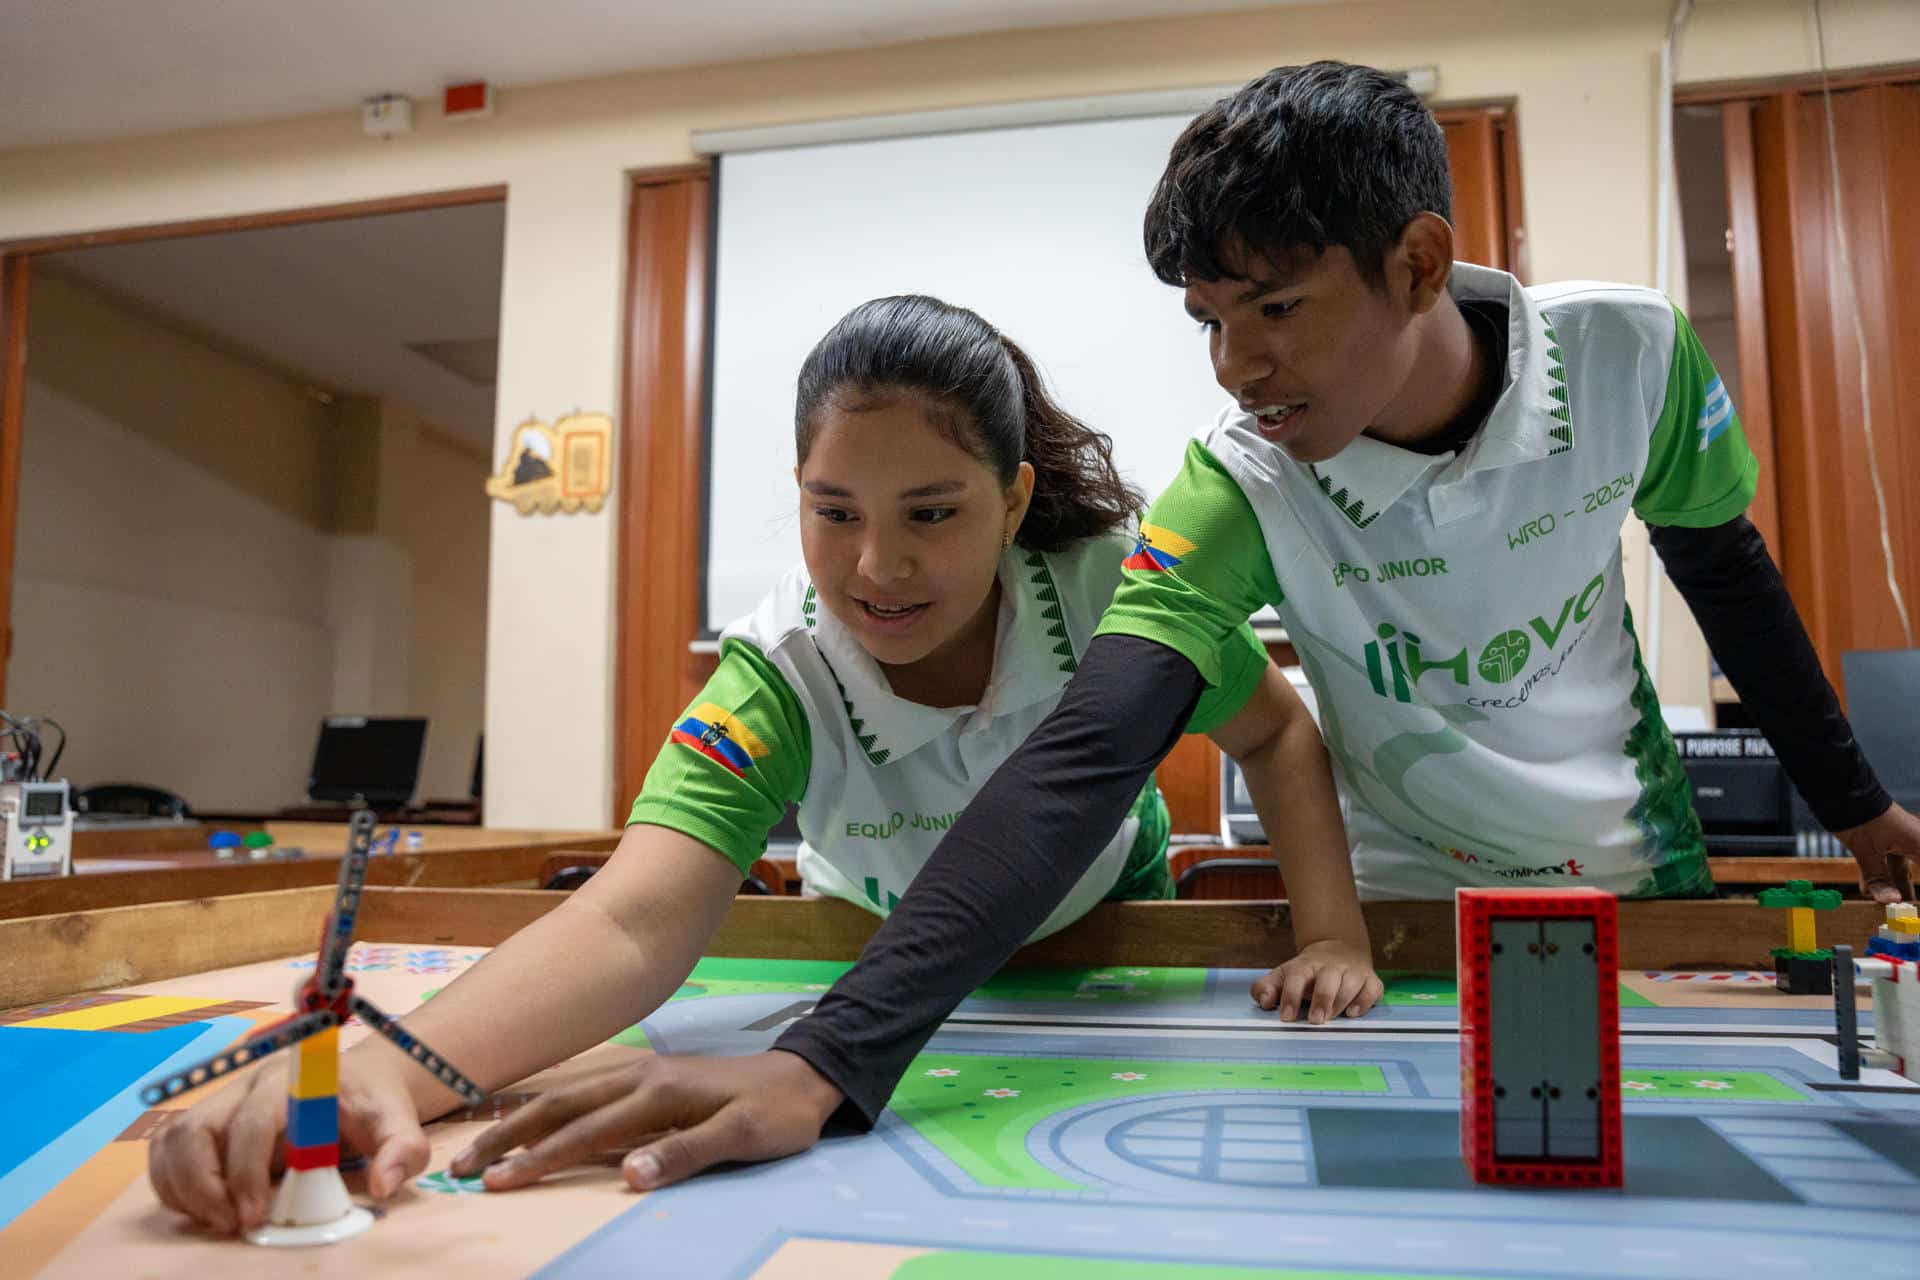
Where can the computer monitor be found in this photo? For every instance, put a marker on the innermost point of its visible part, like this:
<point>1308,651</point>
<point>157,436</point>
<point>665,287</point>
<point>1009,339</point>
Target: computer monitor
<point>1883,702</point>
<point>375,759</point>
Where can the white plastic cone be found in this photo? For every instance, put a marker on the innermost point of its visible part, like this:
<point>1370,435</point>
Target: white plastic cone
<point>311,1207</point>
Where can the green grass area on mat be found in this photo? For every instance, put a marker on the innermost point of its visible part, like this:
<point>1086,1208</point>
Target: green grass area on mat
<point>958,1265</point>
<point>979,1110</point>
<point>1114,984</point>
<point>1706,1086</point>
<point>1417,989</point>
<point>1123,984</point>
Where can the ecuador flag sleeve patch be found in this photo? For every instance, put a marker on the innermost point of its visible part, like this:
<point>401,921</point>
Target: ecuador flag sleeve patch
<point>1158,550</point>
<point>719,736</point>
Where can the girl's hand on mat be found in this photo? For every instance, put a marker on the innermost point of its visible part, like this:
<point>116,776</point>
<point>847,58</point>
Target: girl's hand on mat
<point>1339,975</point>
<point>216,1162</point>
<point>678,1116</point>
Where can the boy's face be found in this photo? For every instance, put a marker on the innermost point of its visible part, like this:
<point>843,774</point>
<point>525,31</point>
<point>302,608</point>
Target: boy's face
<point>1310,348</point>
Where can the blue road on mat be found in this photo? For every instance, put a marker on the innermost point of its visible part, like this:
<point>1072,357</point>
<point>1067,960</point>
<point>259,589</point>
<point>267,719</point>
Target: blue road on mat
<point>66,1094</point>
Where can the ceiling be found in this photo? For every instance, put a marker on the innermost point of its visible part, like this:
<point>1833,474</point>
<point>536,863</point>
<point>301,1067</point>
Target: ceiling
<point>84,69</point>
<point>404,305</point>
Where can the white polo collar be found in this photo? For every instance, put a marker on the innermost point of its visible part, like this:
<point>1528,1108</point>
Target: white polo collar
<point>1530,420</point>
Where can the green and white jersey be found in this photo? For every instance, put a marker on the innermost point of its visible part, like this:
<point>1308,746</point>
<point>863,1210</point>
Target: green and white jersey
<point>1461,617</point>
<point>799,712</point>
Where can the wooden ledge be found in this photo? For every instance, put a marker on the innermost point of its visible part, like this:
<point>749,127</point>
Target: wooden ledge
<point>49,956</point>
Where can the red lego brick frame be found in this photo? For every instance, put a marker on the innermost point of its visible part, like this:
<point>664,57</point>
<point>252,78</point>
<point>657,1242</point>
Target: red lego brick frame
<point>1474,909</point>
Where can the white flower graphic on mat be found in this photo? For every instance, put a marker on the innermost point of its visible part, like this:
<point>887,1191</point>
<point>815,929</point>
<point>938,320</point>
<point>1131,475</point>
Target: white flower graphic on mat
<point>1128,1075</point>
<point>1002,1093</point>
<point>1138,973</point>
<point>1711,1084</point>
<point>1424,995</point>
<point>943,1072</point>
<point>1638,1086</point>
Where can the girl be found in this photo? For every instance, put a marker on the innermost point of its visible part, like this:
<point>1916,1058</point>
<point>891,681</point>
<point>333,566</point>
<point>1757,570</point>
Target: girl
<point>962,535</point>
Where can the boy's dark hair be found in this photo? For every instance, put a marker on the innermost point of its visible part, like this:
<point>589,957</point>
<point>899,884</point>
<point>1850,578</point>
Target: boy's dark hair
<point>995,407</point>
<point>1300,159</point>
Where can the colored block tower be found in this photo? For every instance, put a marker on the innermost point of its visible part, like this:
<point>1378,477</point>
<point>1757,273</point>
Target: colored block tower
<point>1539,1036</point>
<point>1802,967</point>
<point>1899,937</point>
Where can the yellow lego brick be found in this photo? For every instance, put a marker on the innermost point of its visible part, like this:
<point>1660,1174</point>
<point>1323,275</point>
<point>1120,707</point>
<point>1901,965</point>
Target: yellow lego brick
<point>316,1066</point>
<point>118,1014</point>
<point>1903,920</point>
<point>1800,935</point>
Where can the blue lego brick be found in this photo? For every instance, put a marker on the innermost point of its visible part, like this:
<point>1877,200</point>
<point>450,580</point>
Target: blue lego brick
<point>313,1122</point>
<point>1894,950</point>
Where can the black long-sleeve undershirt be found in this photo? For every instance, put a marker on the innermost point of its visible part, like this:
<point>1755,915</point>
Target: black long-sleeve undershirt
<point>1738,597</point>
<point>1009,859</point>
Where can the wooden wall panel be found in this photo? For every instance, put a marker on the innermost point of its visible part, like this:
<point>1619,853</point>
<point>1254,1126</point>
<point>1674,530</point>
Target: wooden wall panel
<point>1799,370</point>
<point>661,465</point>
<point>1513,208</point>
<point>1830,523</point>
<point>1754,395</point>
<point>1479,180</point>
<point>1881,221</point>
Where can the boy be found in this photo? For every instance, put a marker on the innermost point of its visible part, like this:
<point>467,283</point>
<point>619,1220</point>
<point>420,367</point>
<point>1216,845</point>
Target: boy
<point>1425,468</point>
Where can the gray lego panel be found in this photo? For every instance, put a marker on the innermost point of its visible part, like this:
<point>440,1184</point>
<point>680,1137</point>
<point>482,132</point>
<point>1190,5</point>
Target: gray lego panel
<point>1544,1025</point>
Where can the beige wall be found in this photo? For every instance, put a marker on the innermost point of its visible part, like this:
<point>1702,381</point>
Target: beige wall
<point>435,511</point>
<point>210,560</point>
<point>1584,76</point>
<point>172,558</point>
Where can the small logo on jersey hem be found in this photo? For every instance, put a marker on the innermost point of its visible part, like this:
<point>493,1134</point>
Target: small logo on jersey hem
<point>1571,868</point>
<point>721,738</point>
<point>1158,550</point>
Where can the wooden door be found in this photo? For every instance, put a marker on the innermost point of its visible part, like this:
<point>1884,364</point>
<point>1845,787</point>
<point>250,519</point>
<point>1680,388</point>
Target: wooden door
<point>1842,363</point>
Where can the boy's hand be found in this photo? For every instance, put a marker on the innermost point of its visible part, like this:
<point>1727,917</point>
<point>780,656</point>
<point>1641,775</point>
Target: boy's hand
<point>1339,974</point>
<point>1887,849</point>
<point>215,1162</point>
<point>681,1115</point>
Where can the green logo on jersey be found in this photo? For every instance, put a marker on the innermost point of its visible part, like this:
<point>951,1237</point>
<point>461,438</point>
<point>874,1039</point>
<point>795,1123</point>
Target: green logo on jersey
<point>1395,665</point>
<point>1505,656</point>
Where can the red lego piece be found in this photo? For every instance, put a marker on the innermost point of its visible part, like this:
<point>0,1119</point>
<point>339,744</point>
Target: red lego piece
<point>1476,910</point>
<point>321,1157</point>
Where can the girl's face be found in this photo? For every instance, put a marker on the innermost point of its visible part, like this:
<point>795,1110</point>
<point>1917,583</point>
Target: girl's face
<point>902,530</point>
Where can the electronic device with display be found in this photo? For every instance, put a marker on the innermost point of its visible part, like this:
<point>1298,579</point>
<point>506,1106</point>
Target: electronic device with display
<point>37,818</point>
<point>368,760</point>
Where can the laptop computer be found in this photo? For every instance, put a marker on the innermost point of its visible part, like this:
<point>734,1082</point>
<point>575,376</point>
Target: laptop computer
<point>374,759</point>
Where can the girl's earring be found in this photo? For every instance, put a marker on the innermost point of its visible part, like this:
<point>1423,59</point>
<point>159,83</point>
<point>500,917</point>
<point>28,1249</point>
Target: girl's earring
<point>1007,540</point>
